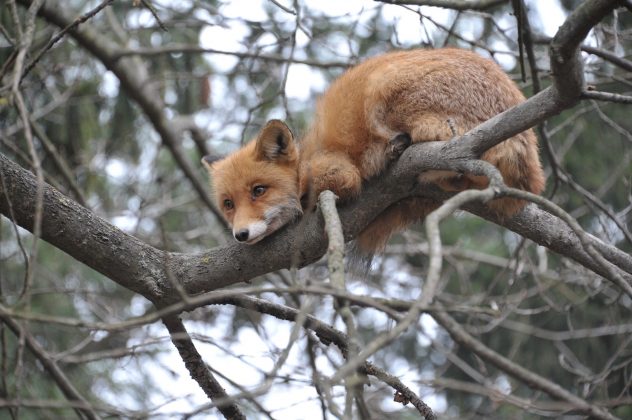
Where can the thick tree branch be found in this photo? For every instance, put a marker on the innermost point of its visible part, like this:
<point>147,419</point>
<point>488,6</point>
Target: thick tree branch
<point>80,233</point>
<point>141,268</point>
<point>547,230</point>
<point>198,369</point>
<point>566,63</point>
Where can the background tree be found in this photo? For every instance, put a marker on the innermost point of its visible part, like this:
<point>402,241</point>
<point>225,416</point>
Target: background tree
<point>107,229</point>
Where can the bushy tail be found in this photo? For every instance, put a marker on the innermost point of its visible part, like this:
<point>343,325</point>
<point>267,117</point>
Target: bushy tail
<point>518,162</point>
<point>373,239</point>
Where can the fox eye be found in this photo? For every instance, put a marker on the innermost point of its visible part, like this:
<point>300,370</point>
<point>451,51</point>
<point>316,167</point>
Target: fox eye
<point>228,204</point>
<point>258,190</point>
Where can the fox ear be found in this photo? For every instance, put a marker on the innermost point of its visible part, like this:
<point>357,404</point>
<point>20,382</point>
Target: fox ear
<point>209,160</point>
<point>275,142</point>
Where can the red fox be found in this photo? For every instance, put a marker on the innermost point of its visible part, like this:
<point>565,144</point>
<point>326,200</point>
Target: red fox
<point>419,95</point>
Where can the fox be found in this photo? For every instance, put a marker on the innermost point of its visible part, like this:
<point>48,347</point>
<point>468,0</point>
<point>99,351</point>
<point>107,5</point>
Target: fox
<point>400,98</point>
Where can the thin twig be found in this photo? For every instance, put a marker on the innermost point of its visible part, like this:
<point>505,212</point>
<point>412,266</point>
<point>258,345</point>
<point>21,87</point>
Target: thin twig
<point>429,288</point>
<point>327,335</point>
<point>461,336</point>
<point>449,4</point>
<point>401,389</point>
<point>336,265</point>
<point>585,239</point>
<point>78,21</point>
<point>154,13</point>
<point>24,44</point>
<point>519,13</point>
<point>64,384</point>
<point>607,96</point>
<point>285,9</point>
<point>59,161</point>
<point>195,49</point>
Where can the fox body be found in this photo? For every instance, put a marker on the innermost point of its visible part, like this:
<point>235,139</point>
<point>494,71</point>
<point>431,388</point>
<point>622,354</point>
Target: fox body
<point>423,95</point>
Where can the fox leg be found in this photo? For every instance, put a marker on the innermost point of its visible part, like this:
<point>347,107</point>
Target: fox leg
<point>396,146</point>
<point>334,172</point>
<point>382,131</point>
<point>428,127</point>
<point>337,173</point>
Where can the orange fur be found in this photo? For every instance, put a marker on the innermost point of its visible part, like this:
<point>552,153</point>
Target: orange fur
<point>271,162</point>
<point>428,94</point>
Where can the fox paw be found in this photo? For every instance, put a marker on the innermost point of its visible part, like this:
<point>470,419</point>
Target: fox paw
<point>397,145</point>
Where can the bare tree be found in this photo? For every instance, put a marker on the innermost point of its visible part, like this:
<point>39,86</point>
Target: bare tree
<point>509,317</point>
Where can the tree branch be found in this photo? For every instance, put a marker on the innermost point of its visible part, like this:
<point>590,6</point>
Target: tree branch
<point>195,49</point>
<point>64,384</point>
<point>141,267</point>
<point>607,96</point>
<point>74,24</point>
<point>461,336</point>
<point>568,82</point>
<point>80,233</point>
<point>449,4</point>
<point>609,56</point>
<point>328,334</point>
<point>198,369</point>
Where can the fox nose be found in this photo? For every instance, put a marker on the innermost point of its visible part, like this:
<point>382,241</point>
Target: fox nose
<point>242,235</point>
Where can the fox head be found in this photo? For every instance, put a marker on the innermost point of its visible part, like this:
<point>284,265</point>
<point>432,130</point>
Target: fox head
<point>257,187</point>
